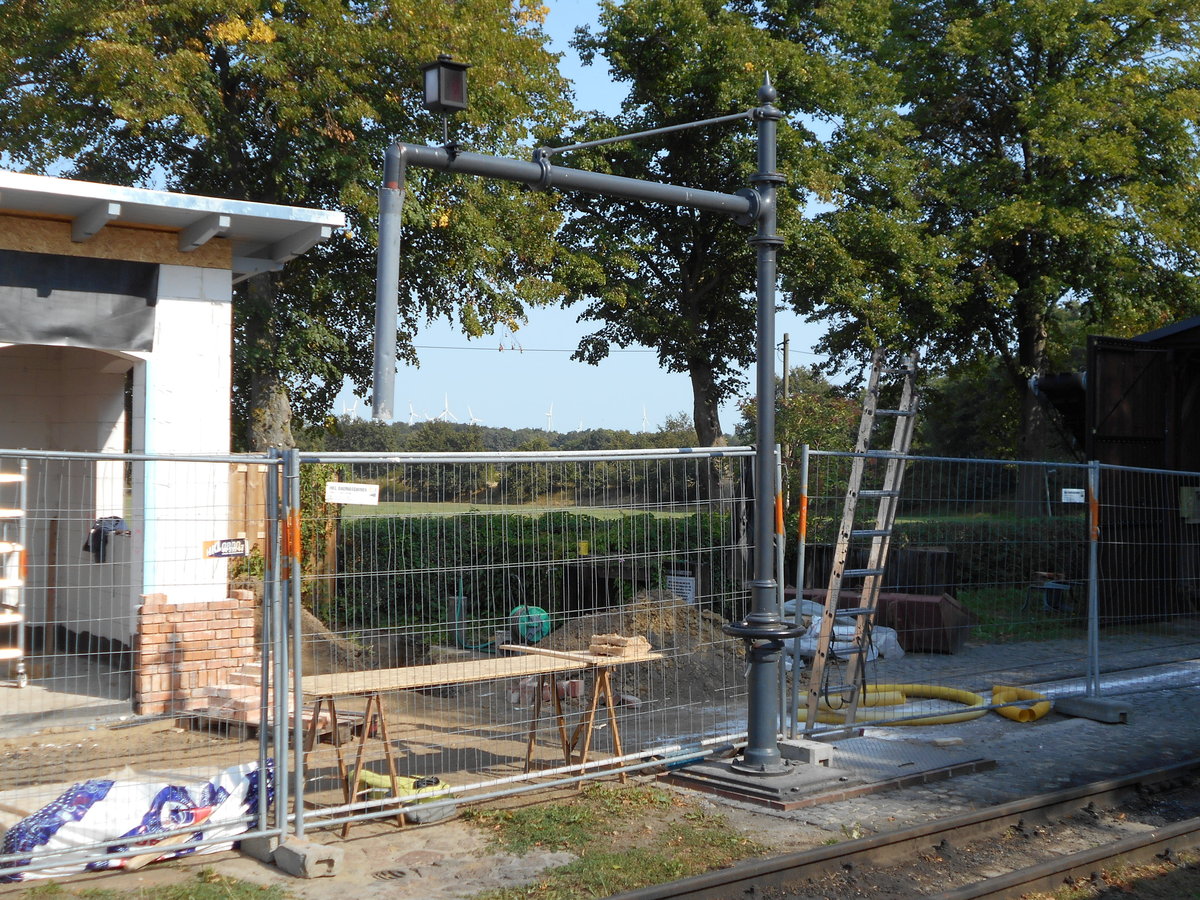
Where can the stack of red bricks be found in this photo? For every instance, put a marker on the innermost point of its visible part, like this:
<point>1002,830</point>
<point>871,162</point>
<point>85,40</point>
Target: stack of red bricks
<point>181,649</point>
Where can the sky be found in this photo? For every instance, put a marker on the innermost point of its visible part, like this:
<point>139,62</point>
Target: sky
<point>526,378</point>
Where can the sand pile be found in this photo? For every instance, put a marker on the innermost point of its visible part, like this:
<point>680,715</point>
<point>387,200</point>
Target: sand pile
<point>696,651</point>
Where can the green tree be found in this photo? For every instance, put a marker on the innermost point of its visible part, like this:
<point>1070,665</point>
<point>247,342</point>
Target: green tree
<point>293,102</point>
<point>677,280</point>
<point>1051,160</point>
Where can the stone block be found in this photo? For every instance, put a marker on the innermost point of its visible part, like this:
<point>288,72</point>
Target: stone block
<point>812,753</point>
<point>305,859</point>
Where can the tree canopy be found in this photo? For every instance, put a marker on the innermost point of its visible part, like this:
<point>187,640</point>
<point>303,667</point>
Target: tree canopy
<point>1045,156</point>
<point>293,102</point>
<point>677,280</point>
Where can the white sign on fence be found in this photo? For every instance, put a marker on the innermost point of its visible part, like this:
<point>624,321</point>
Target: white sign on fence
<point>349,492</point>
<point>1074,495</point>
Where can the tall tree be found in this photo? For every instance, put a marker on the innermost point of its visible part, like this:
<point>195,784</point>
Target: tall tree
<point>678,280</point>
<point>1052,160</point>
<point>293,102</point>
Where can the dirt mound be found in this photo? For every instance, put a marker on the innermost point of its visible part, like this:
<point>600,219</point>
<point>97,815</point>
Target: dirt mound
<point>696,651</point>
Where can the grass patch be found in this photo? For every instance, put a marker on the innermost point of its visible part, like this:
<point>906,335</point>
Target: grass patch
<point>1003,620</point>
<point>207,885</point>
<point>624,838</point>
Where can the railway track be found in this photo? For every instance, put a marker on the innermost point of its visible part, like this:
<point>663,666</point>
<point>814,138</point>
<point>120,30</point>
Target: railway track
<point>1111,819</point>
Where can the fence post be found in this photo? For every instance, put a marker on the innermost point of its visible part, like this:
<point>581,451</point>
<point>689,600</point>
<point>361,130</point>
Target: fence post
<point>1093,680</point>
<point>278,675</point>
<point>801,540</point>
<point>780,538</point>
<point>292,553</point>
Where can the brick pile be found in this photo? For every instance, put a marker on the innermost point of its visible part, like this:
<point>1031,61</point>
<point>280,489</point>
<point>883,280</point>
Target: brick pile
<point>181,649</point>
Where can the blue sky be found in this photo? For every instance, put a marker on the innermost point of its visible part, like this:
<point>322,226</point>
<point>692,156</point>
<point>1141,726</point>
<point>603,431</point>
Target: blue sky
<point>533,375</point>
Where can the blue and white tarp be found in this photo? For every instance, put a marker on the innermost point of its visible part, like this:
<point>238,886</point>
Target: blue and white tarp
<point>103,815</point>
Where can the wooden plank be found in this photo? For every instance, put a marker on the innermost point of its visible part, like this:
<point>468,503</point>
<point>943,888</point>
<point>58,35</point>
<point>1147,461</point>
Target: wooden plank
<point>414,677</point>
<point>577,655</point>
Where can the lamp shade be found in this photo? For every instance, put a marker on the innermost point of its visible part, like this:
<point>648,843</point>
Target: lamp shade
<point>445,84</point>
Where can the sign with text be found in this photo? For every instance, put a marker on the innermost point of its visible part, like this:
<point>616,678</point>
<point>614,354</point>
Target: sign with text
<point>225,548</point>
<point>1074,495</point>
<point>349,492</point>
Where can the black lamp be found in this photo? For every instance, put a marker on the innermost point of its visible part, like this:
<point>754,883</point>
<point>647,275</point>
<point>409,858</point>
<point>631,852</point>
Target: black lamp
<point>445,84</point>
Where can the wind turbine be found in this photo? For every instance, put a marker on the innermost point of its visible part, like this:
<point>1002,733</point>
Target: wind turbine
<point>550,418</point>
<point>644,421</point>
<point>353,407</point>
<point>471,420</point>
<point>412,414</point>
<point>445,415</point>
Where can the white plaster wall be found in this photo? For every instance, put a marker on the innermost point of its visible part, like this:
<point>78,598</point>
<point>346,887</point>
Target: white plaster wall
<point>184,388</point>
<point>67,398</point>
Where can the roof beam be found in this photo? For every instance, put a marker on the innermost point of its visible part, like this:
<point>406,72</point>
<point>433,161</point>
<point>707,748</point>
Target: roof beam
<point>299,241</point>
<point>95,217</point>
<point>248,266</point>
<point>202,231</point>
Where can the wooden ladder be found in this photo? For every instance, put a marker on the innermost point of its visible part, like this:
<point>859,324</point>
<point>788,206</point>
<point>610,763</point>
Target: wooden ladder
<point>845,697</point>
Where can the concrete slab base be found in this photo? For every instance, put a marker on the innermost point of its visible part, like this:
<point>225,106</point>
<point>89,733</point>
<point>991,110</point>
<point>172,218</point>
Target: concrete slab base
<point>856,766</point>
<point>1112,711</point>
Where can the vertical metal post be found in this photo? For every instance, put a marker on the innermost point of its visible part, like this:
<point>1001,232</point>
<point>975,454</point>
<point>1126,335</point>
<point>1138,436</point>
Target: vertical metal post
<point>291,551</point>
<point>781,693</point>
<point>1093,680</point>
<point>387,283</point>
<point>801,541</point>
<point>762,628</point>
<point>275,649</point>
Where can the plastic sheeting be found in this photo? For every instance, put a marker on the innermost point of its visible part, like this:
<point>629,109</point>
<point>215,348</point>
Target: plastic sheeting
<point>114,816</point>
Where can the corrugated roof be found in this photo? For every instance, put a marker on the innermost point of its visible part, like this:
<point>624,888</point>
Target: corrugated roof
<point>264,235</point>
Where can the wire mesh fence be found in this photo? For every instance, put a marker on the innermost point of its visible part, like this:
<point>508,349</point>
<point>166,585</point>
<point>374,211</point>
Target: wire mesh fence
<point>124,641</point>
<point>990,581</point>
<point>465,562</point>
<point>450,604</point>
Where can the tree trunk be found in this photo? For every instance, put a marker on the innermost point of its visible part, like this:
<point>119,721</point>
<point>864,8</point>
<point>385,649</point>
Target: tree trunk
<point>705,411</point>
<point>268,413</point>
<point>706,415</point>
<point>1031,442</point>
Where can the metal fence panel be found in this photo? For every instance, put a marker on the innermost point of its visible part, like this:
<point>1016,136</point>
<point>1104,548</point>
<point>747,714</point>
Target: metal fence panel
<point>462,555</point>
<point>989,576</point>
<point>138,627</point>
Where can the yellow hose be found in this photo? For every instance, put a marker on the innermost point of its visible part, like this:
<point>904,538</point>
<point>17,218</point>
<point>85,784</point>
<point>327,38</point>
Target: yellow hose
<point>1002,693</point>
<point>974,702</point>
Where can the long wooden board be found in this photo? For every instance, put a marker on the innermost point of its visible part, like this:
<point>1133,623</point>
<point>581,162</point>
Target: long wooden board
<point>342,684</point>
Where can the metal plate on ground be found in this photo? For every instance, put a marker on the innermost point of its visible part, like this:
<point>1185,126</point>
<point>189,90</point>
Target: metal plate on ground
<point>858,766</point>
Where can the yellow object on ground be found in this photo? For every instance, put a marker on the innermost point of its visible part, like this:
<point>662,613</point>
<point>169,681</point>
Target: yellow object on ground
<point>974,702</point>
<point>1003,693</point>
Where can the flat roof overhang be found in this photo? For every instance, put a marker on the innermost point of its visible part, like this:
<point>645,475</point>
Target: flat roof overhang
<point>263,236</point>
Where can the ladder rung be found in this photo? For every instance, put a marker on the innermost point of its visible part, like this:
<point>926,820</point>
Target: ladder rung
<point>861,573</point>
<point>857,611</point>
<point>876,495</point>
<point>871,532</point>
<point>896,412</point>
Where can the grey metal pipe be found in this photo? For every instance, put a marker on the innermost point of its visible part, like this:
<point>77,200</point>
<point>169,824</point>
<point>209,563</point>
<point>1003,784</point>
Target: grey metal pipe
<point>292,552</point>
<point>544,175</point>
<point>763,630</point>
<point>387,284</point>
